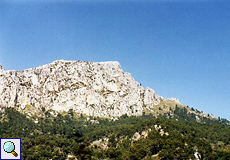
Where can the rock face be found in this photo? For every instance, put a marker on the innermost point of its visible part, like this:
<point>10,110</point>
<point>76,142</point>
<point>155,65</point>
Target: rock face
<point>151,98</point>
<point>97,89</point>
<point>174,100</point>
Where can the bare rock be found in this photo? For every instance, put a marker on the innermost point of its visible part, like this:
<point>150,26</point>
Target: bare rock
<point>151,98</point>
<point>100,89</point>
<point>174,100</point>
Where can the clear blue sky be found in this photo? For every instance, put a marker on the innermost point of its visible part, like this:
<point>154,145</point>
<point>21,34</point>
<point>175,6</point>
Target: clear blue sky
<point>179,48</point>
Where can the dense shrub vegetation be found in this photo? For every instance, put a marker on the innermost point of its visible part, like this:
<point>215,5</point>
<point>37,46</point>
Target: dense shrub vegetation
<point>56,137</point>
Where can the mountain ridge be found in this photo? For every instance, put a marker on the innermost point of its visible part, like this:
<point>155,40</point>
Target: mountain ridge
<point>100,89</point>
<point>88,124</point>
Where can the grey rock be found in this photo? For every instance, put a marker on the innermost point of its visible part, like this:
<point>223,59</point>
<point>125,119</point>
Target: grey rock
<point>97,89</point>
<point>175,100</point>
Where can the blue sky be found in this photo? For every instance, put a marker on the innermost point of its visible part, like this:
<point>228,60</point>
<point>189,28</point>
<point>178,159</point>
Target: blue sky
<point>179,48</point>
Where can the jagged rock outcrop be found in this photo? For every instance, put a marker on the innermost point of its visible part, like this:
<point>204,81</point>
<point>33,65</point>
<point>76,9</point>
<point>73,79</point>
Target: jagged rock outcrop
<point>174,100</point>
<point>98,89</point>
<point>151,98</point>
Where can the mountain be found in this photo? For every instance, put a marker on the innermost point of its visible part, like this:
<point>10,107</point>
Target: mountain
<point>85,110</point>
<point>100,89</point>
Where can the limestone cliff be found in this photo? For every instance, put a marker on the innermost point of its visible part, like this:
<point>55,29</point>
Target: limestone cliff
<point>97,89</point>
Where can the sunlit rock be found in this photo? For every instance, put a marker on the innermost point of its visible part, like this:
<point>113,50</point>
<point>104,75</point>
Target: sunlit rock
<point>100,89</point>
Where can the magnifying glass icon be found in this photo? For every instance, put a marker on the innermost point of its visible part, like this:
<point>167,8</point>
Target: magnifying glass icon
<point>9,147</point>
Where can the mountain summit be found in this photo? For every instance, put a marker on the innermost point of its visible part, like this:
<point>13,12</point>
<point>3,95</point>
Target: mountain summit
<point>100,89</point>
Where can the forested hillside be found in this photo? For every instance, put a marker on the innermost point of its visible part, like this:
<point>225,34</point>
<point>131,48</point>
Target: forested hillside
<point>65,136</point>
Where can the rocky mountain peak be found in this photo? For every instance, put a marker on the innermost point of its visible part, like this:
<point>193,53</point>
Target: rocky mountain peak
<point>92,88</point>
